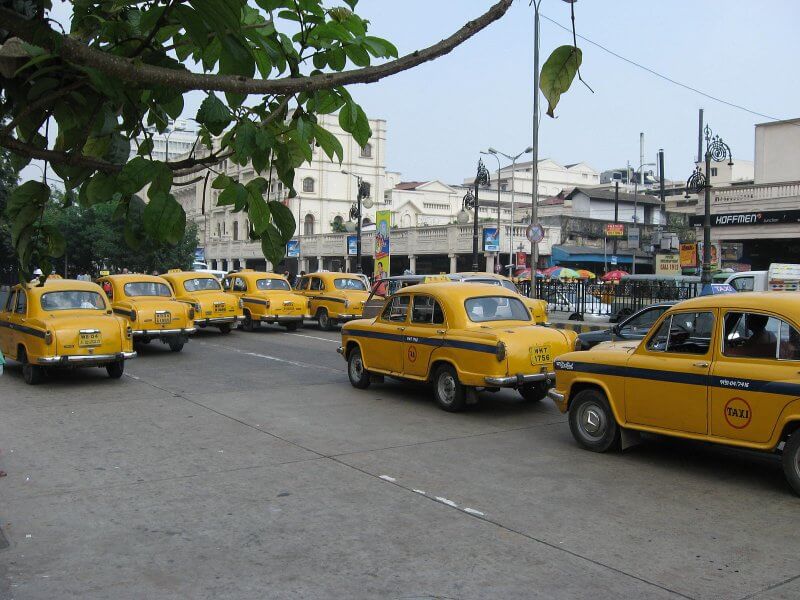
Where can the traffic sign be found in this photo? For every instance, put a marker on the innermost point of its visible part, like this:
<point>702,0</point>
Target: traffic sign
<point>534,233</point>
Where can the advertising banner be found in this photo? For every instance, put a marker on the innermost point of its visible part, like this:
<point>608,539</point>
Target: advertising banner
<point>633,238</point>
<point>615,230</point>
<point>715,255</point>
<point>491,239</point>
<point>200,254</point>
<point>668,264</point>
<point>522,259</point>
<point>293,248</point>
<point>352,245</point>
<point>688,256</point>
<point>383,223</point>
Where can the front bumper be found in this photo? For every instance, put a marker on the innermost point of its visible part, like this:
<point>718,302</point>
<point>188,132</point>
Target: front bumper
<point>217,320</point>
<point>555,396</point>
<point>161,333</point>
<point>85,359</point>
<point>519,379</point>
<point>281,318</point>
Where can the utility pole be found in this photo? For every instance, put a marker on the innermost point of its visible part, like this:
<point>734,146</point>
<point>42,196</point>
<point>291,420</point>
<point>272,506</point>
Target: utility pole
<point>535,146</point>
<point>661,191</point>
<point>616,212</point>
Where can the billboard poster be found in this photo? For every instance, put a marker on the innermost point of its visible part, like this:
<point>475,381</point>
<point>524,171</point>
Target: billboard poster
<point>615,230</point>
<point>715,255</point>
<point>383,222</point>
<point>688,256</point>
<point>668,264</point>
<point>293,248</point>
<point>200,254</point>
<point>491,239</point>
<point>352,245</point>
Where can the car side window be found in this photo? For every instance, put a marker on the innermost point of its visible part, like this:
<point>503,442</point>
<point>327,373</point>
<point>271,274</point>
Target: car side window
<point>752,335</point>
<point>426,311</point>
<point>316,284</point>
<point>743,284</point>
<point>239,285</point>
<point>658,341</point>
<point>22,303</point>
<point>303,285</point>
<point>684,333</point>
<point>789,347</point>
<point>397,309</point>
<point>9,307</point>
<point>226,284</point>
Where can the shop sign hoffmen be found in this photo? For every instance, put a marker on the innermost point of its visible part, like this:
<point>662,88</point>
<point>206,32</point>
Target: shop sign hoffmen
<point>770,217</point>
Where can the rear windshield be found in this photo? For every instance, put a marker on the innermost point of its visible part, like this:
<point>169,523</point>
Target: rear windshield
<point>272,284</point>
<point>496,308</point>
<point>147,288</point>
<point>201,284</point>
<point>70,300</point>
<point>349,284</point>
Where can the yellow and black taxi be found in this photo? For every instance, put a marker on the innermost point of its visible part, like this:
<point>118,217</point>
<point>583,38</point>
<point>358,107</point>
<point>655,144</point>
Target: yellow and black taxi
<point>203,291</point>
<point>722,369</point>
<point>63,324</point>
<point>537,308</point>
<point>150,307</point>
<point>334,297</point>
<point>461,338</point>
<point>266,298</point>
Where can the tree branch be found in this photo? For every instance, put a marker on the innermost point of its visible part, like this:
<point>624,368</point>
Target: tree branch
<point>39,33</point>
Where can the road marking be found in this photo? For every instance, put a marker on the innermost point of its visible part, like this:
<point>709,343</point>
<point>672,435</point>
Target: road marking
<point>419,491</point>
<point>446,501</point>
<point>311,337</point>
<point>472,511</point>
<point>387,478</point>
<point>272,358</point>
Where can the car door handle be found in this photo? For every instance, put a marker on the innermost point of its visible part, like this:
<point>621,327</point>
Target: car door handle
<point>700,364</point>
<point>441,331</point>
<point>401,329</point>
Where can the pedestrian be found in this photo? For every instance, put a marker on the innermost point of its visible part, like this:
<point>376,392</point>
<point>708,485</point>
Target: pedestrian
<point>124,270</point>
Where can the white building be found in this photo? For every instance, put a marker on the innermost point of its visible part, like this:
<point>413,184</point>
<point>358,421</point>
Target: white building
<point>553,177</point>
<point>178,140</point>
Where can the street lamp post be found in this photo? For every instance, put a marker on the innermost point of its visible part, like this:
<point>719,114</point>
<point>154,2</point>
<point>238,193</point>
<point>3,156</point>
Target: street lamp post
<point>716,150</point>
<point>513,160</point>
<point>489,152</point>
<point>481,178</point>
<point>362,199</point>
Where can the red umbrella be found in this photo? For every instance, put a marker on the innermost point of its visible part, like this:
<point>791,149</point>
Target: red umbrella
<point>614,275</point>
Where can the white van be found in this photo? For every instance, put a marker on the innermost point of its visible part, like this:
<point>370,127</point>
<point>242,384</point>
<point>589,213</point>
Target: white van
<point>780,277</point>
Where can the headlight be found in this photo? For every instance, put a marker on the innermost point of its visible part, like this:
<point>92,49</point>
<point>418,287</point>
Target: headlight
<point>191,313</point>
<point>48,338</point>
<point>500,352</point>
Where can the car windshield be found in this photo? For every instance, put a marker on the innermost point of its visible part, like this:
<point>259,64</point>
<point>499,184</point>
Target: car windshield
<point>202,284</point>
<point>72,299</point>
<point>349,284</point>
<point>147,288</point>
<point>496,308</point>
<point>272,284</point>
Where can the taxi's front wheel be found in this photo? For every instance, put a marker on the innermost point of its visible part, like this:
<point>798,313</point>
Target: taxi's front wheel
<point>358,375</point>
<point>592,423</point>
<point>791,461</point>
<point>450,393</point>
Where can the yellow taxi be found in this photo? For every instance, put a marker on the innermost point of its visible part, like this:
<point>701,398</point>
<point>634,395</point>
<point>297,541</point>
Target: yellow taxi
<point>722,369</point>
<point>538,308</point>
<point>149,306</point>
<point>461,338</point>
<point>267,298</point>
<point>65,324</point>
<point>334,297</point>
<point>212,306</point>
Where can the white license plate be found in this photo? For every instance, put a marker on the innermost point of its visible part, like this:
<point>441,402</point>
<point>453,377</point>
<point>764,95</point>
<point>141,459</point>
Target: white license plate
<point>163,318</point>
<point>219,306</point>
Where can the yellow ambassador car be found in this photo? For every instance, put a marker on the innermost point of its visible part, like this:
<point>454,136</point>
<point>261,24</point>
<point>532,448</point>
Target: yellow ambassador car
<point>459,337</point>
<point>537,307</point>
<point>334,297</point>
<point>266,298</point>
<point>212,306</point>
<point>722,369</point>
<point>65,324</point>
<point>149,306</point>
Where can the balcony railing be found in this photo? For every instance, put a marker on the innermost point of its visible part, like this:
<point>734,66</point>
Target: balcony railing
<point>756,193</point>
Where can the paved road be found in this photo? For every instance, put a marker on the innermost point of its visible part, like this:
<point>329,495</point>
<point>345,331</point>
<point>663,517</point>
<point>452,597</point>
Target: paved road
<point>247,467</point>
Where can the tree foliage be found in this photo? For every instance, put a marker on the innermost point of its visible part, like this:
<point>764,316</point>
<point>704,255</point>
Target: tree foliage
<point>8,181</point>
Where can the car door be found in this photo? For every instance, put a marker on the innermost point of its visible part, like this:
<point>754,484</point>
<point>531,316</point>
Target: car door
<point>6,311</point>
<point>754,376</point>
<point>424,333</point>
<point>385,342</point>
<point>666,378</point>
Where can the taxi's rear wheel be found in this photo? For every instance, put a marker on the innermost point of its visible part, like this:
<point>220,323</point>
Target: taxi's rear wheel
<point>32,374</point>
<point>291,325</point>
<point>115,369</point>
<point>324,320</point>
<point>450,393</point>
<point>225,328</point>
<point>176,345</point>
<point>791,461</point>
<point>592,423</point>
<point>534,392</point>
<point>248,324</point>
<point>359,376</point>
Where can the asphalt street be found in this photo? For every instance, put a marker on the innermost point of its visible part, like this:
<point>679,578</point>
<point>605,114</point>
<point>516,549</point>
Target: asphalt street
<point>248,467</point>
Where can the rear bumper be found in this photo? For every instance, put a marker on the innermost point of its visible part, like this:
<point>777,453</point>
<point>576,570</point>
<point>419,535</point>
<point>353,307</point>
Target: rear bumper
<point>281,318</point>
<point>519,379</point>
<point>342,318</point>
<point>85,359</point>
<point>161,333</point>
<point>216,321</point>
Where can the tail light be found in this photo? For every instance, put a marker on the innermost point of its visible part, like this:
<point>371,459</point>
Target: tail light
<point>48,338</point>
<point>129,332</point>
<point>133,315</point>
<point>500,352</point>
<point>191,313</point>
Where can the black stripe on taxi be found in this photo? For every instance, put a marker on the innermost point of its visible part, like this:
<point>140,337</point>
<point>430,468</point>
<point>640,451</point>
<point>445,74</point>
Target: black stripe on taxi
<point>476,347</point>
<point>23,329</point>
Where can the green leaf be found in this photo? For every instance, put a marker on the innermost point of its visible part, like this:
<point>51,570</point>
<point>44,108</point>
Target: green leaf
<point>272,244</point>
<point>221,181</point>
<point>56,244</point>
<point>164,218</point>
<point>29,193</point>
<point>283,219</point>
<point>558,73</point>
<point>146,147</point>
<point>162,179</point>
<point>136,174</point>
<point>193,23</point>
<point>101,188</point>
<point>329,143</point>
<point>214,114</point>
<point>259,212</point>
<point>357,55</point>
<point>235,195</point>
<point>244,144</point>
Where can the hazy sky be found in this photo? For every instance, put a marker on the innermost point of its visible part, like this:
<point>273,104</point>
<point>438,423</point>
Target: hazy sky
<point>440,115</point>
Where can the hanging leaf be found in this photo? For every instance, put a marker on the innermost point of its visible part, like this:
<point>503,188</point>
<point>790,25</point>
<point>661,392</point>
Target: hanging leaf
<point>558,73</point>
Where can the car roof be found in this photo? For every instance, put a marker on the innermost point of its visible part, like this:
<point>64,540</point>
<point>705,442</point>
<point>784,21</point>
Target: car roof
<point>62,285</point>
<point>134,278</point>
<point>787,302</point>
<point>256,274</point>
<point>333,274</point>
<point>458,292</point>
<point>185,275</point>
<point>478,274</point>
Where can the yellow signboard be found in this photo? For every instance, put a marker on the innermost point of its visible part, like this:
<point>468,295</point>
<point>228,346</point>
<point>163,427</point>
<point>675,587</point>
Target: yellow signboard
<point>689,255</point>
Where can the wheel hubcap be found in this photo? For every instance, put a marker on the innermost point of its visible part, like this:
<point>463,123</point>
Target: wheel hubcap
<point>447,389</point>
<point>356,368</point>
<point>592,421</point>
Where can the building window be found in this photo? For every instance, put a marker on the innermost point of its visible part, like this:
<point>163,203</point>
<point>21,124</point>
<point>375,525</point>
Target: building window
<point>585,175</point>
<point>219,230</point>
<point>713,171</point>
<point>235,230</point>
<point>308,225</point>
<point>366,151</point>
<point>308,184</point>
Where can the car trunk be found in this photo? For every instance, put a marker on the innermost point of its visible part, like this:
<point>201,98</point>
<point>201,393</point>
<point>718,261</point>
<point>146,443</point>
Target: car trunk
<point>75,334</point>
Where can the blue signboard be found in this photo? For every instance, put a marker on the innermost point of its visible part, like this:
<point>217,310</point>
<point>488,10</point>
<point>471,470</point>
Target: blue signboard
<point>352,243</point>
<point>491,239</point>
<point>293,248</point>
<point>200,255</point>
<point>712,289</point>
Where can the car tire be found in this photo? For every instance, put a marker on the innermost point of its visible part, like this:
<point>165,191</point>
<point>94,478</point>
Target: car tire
<point>176,345</point>
<point>592,423</point>
<point>116,369</point>
<point>324,320</point>
<point>359,376</point>
<point>576,317</point>
<point>534,392</point>
<point>791,461</point>
<point>291,326</point>
<point>32,374</point>
<point>225,328</point>
<point>247,323</point>
<point>450,393</point>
